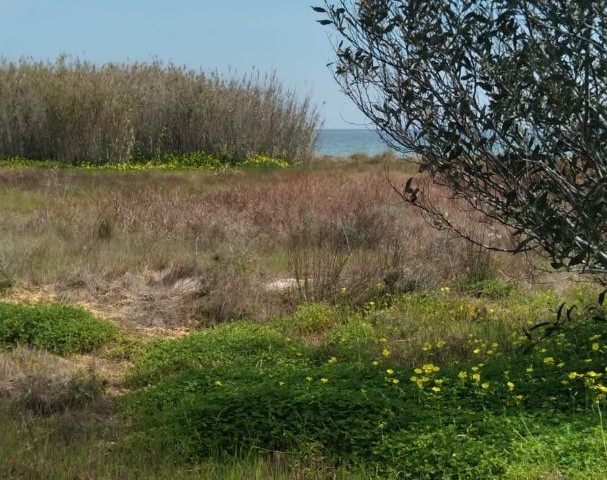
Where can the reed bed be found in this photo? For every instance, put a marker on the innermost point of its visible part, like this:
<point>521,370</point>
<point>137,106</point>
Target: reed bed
<point>75,111</point>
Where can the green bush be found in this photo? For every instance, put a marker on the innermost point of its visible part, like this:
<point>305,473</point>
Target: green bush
<point>60,329</point>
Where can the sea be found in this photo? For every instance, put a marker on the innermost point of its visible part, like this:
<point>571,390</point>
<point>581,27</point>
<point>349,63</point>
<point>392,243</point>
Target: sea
<point>345,142</point>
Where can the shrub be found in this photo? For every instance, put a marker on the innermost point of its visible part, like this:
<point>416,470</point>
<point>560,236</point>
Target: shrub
<point>60,329</point>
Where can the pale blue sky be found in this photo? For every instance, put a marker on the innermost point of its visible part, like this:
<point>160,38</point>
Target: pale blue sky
<point>280,35</point>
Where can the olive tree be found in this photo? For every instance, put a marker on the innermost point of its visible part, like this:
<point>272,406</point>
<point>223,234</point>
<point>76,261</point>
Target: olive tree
<point>503,102</point>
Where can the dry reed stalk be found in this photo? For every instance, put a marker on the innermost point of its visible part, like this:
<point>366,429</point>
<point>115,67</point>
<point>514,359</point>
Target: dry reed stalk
<point>75,111</point>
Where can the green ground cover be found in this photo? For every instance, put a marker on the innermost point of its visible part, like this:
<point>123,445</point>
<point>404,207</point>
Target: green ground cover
<point>336,393</point>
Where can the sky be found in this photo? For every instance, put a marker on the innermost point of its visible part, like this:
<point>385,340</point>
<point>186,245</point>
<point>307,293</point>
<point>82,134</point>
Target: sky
<point>224,35</point>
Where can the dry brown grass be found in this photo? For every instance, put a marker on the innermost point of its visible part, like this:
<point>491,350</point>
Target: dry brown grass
<point>176,249</point>
<point>44,384</point>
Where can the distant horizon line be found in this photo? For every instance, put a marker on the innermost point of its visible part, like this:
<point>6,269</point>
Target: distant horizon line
<point>344,128</point>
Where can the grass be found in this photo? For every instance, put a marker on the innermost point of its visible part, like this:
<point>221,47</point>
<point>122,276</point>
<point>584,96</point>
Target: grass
<point>184,248</point>
<point>393,352</point>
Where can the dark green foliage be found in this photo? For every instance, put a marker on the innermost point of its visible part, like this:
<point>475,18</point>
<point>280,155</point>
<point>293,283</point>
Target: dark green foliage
<point>60,329</point>
<point>503,102</point>
<point>273,409</point>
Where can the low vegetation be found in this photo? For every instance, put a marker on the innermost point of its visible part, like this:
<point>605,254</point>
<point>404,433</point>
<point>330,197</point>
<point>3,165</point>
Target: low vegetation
<point>60,329</point>
<point>473,416</point>
<point>290,324</point>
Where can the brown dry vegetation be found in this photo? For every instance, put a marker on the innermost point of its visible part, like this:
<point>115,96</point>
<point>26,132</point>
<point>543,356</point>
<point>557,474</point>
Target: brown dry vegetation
<point>75,111</point>
<point>160,249</point>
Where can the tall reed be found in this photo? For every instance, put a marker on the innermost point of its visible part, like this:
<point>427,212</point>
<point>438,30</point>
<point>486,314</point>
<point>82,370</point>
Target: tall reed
<point>75,111</point>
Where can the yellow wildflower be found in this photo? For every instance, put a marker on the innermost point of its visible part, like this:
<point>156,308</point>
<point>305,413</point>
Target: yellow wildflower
<point>462,375</point>
<point>324,380</point>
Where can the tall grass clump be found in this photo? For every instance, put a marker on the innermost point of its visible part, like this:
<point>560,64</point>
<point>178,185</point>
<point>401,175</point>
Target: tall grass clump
<point>75,111</point>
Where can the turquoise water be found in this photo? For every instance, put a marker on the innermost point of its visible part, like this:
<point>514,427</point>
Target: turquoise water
<point>342,143</point>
